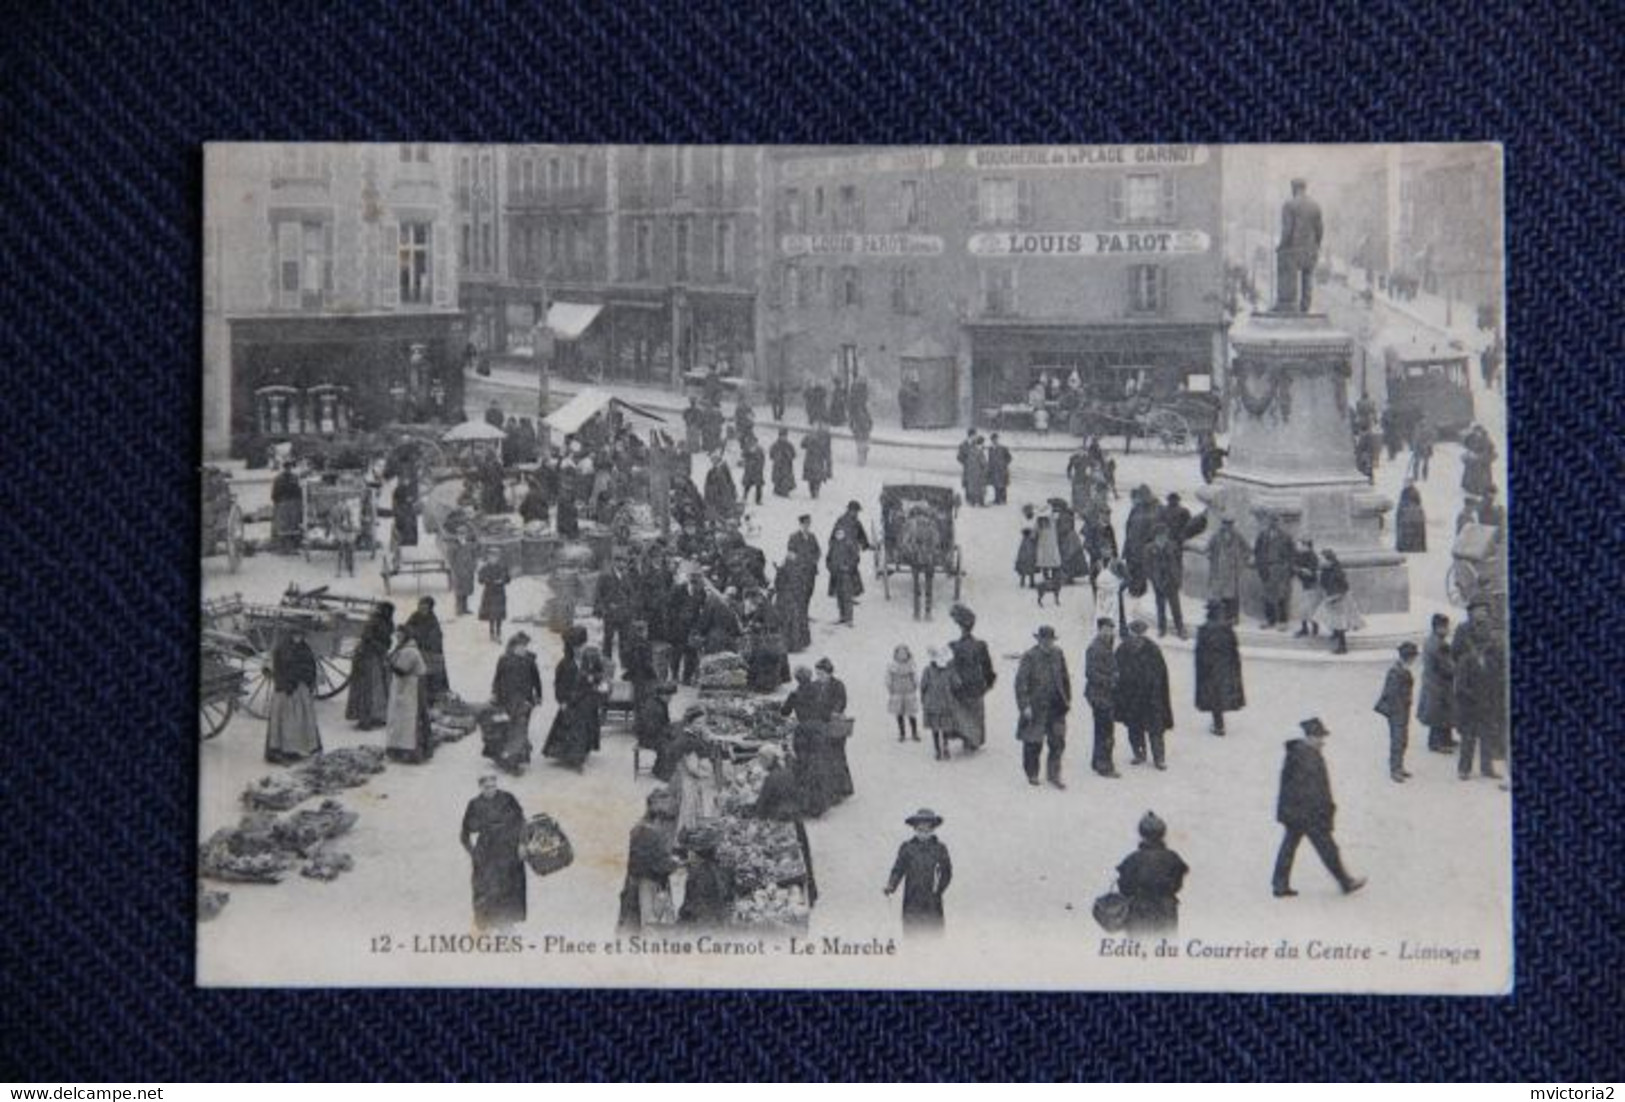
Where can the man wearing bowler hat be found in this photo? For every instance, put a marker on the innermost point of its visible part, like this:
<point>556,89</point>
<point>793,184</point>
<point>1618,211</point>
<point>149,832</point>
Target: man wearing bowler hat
<point>924,870</point>
<point>1305,809</point>
<point>1044,695</point>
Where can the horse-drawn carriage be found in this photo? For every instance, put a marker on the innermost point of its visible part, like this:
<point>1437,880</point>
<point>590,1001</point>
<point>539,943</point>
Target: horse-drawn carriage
<point>1176,421</point>
<point>324,495</point>
<point>895,551</point>
<point>239,636</point>
<point>223,518</point>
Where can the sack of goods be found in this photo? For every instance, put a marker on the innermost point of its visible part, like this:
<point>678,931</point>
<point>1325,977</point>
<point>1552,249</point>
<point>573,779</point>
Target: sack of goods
<point>545,847</point>
<point>303,831</point>
<point>723,670</point>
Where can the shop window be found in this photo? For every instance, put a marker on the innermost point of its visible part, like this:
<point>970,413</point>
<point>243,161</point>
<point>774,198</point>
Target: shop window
<point>1148,288</point>
<point>1141,197</point>
<point>413,260</point>
<point>724,247</point>
<point>681,232</point>
<point>905,290</point>
<point>999,291</point>
<point>1001,201</point>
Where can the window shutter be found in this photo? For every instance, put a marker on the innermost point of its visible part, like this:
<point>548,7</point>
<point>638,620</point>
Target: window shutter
<point>440,264</point>
<point>1134,288</point>
<point>1119,211</point>
<point>1025,191</point>
<point>389,267</point>
<point>1170,198</point>
<point>976,202</point>
<point>1010,305</point>
<point>289,243</point>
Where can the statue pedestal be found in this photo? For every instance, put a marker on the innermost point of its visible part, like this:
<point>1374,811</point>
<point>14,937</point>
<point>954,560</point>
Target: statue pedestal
<point>1292,456</point>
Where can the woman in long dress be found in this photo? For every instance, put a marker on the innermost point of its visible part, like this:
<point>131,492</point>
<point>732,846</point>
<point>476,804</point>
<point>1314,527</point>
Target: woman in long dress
<point>494,579</point>
<point>694,782</point>
<point>290,730</point>
<point>574,733</point>
<point>973,667</point>
<point>368,703</point>
<point>1338,613</point>
<point>287,509</point>
<point>493,829</point>
<point>1410,521</point>
<point>406,737</point>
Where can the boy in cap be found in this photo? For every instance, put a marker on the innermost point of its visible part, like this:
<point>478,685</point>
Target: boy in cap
<point>1395,705</point>
<point>1305,809</point>
<point>925,870</point>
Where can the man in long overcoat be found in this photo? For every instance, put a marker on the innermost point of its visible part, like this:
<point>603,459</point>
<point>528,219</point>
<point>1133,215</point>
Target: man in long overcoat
<point>1218,668</point>
<point>1144,516</point>
<point>1305,809</point>
<point>1100,690</point>
<point>1435,703</point>
<point>783,457</point>
<point>1272,558</point>
<point>998,469</point>
<point>804,545</point>
<point>1142,701</point>
<point>1226,559</point>
<point>1165,569</point>
<point>1301,232</point>
<point>1044,696</point>
<point>1480,692</point>
<point>1394,705</point>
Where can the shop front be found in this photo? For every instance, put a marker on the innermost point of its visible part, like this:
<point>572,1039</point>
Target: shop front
<point>1111,361</point>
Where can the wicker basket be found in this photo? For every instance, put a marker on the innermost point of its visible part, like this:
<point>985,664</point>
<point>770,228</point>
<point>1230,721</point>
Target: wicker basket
<point>545,846</point>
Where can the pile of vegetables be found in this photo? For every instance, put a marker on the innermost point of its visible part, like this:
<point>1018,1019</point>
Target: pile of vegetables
<point>263,848</point>
<point>304,831</point>
<point>349,767</point>
<point>724,670</point>
<point>277,792</point>
<point>732,718</point>
<point>326,864</point>
<point>759,853</point>
<point>773,906</point>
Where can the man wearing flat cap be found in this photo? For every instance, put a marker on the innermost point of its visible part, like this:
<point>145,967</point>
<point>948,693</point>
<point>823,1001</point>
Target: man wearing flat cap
<point>1301,231</point>
<point>1044,696</point>
<point>1305,809</point>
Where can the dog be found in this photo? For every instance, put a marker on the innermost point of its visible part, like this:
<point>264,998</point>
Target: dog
<point>1051,584</point>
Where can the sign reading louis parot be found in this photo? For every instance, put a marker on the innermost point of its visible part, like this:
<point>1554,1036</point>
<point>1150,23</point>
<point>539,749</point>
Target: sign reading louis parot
<point>860,244</point>
<point>1090,243</point>
<point>1088,156</point>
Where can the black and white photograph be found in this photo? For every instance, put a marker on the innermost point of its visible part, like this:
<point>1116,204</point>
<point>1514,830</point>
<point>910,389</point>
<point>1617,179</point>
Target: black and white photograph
<point>1076,567</point>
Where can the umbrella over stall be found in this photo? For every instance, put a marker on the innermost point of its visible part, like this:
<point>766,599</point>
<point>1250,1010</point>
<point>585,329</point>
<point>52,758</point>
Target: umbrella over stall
<point>586,404</point>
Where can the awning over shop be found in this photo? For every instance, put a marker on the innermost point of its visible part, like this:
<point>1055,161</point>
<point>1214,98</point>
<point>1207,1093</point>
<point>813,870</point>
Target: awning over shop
<point>569,417</point>
<point>568,320</point>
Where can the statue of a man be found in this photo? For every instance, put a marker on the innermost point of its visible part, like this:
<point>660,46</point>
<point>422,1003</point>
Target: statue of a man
<point>1301,232</point>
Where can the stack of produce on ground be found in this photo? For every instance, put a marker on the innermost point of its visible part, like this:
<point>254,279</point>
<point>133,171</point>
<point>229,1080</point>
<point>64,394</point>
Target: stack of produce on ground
<point>723,670</point>
<point>450,719</point>
<point>544,846</point>
<point>304,831</point>
<point>348,767</point>
<point>327,864</point>
<point>210,903</point>
<point>785,908</point>
<point>277,792</point>
<point>759,853</point>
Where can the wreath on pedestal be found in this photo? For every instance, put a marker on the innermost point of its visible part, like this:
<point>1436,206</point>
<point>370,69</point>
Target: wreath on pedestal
<point>1261,388</point>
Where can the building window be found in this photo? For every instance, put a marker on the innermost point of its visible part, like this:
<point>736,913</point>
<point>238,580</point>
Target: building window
<point>681,232</point>
<point>488,262</point>
<point>793,295</point>
<point>849,208</point>
<point>1148,288</point>
<point>792,214</point>
<point>414,153</point>
<point>725,250</point>
<point>818,285</point>
<point>905,290</point>
<point>583,171</point>
<point>414,262</point>
<point>682,168</point>
<point>210,267</point>
<point>527,178</point>
<point>555,176</point>
<point>851,287</point>
<point>1004,202</point>
<point>305,259</point>
<point>462,246</point>
<point>641,265</point>
<point>722,173</point>
<point>908,204</point>
<point>572,241</point>
<point>552,246</point>
<point>999,291</point>
<point>818,202</point>
<point>1142,197</point>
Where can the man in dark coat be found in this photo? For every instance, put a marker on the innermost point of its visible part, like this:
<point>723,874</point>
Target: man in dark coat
<point>1100,690</point>
<point>1043,696</point>
<point>1301,232</point>
<point>924,870</point>
<point>783,457</point>
<point>845,583</point>
<point>720,494</point>
<point>516,689</point>
<point>1226,558</point>
<point>814,396</point>
<point>425,627</point>
<point>1273,554</point>
<point>1305,809</point>
<point>754,463</point>
<point>1480,692</point>
<point>1435,703</point>
<point>804,545</point>
<point>853,526</point>
<point>683,608</point>
<point>615,604</point>
<point>998,469</point>
<point>1176,521</point>
<point>1150,879</point>
<point>493,828</point>
<point>1144,518</point>
<point>708,891</point>
<point>649,865</point>
<point>1143,703</point>
<point>1165,569</point>
<point>1394,705</point>
<point>1218,668</point>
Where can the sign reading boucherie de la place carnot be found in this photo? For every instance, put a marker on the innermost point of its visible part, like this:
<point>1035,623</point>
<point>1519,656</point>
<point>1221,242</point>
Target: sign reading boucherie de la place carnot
<point>1088,156</point>
<point>1086,243</point>
<point>860,244</point>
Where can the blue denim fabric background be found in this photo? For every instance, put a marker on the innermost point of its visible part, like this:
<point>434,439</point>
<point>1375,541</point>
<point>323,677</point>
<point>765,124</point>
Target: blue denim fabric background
<point>105,108</point>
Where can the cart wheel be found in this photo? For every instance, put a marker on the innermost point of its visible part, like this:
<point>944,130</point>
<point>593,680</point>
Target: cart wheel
<point>1461,583</point>
<point>332,676</point>
<point>234,537</point>
<point>959,572</point>
<point>256,666</point>
<point>213,715</point>
<point>1169,427</point>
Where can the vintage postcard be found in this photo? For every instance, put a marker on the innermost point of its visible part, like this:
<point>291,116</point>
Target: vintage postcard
<point>1073,567</point>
